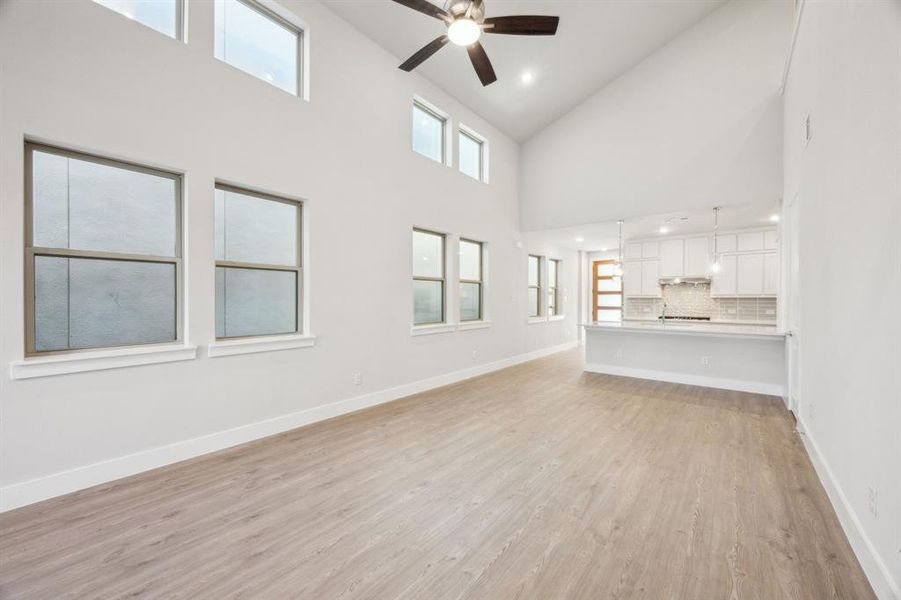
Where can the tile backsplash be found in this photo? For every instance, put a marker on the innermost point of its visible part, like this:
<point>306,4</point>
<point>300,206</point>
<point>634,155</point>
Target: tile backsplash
<point>693,300</point>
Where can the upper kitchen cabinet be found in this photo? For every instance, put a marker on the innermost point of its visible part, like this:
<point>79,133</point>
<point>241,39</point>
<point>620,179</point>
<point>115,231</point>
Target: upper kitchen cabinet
<point>750,241</point>
<point>672,258</point>
<point>632,251</point>
<point>724,280</point>
<point>749,274</point>
<point>650,250</point>
<point>640,279</point>
<point>697,256</point>
<point>770,240</point>
<point>771,274</point>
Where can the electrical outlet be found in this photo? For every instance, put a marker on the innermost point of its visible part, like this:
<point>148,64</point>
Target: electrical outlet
<point>873,501</point>
<point>619,353</point>
<point>358,379</point>
<point>705,360</point>
<point>475,354</point>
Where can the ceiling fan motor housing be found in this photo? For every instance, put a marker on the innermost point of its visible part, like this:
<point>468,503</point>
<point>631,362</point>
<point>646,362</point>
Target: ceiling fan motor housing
<point>458,8</point>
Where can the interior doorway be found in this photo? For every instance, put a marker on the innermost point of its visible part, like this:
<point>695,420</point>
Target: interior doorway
<point>606,291</point>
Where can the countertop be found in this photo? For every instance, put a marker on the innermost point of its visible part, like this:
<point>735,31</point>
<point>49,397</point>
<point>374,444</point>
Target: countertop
<point>690,328</point>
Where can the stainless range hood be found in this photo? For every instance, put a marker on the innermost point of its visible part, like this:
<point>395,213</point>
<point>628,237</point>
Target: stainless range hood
<point>681,280</point>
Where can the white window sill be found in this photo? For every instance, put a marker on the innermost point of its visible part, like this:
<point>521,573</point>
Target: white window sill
<point>538,319</point>
<point>467,325</point>
<point>98,360</point>
<point>432,329</point>
<point>557,318</point>
<point>252,345</point>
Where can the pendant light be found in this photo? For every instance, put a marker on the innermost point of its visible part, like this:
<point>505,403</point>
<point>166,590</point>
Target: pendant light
<point>715,265</point>
<point>618,266</point>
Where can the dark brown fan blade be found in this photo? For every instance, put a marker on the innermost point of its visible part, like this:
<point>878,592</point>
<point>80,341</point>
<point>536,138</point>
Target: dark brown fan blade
<point>427,8</point>
<point>481,64</point>
<point>423,53</point>
<point>522,25</point>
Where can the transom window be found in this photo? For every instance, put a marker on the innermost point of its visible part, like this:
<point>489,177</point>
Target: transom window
<point>103,252</point>
<point>252,38</point>
<point>258,263</point>
<point>164,16</point>
<point>534,286</point>
<point>472,153</point>
<point>553,290</point>
<point>428,132</point>
<point>471,273</point>
<point>428,277</point>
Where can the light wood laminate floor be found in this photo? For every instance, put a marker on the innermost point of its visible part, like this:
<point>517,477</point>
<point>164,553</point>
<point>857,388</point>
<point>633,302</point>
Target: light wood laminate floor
<point>536,482</point>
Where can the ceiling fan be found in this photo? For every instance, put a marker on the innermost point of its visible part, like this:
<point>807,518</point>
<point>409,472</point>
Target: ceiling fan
<point>466,22</point>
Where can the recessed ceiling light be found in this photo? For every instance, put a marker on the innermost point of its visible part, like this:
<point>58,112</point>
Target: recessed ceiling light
<point>527,77</point>
<point>664,229</point>
<point>774,217</point>
<point>580,240</point>
<point>604,249</point>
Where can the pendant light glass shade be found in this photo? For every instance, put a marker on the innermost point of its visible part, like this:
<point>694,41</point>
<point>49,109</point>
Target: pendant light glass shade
<point>715,265</point>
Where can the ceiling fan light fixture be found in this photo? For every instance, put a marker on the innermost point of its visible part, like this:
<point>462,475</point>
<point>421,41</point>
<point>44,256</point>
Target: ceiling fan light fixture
<point>464,32</point>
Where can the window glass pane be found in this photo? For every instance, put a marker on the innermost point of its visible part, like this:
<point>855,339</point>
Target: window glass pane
<point>161,15</point>
<point>609,300</point>
<point>552,272</point>
<point>610,315</point>
<point>255,302</point>
<point>610,285</point>
<point>428,302</point>
<point>533,270</point>
<point>470,260</point>
<point>533,302</point>
<point>428,134</point>
<point>256,43</point>
<point>606,269</point>
<point>428,254</point>
<point>90,303</point>
<point>470,156</point>
<point>256,230</point>
<point>91,206</point>
<point>470,302</point>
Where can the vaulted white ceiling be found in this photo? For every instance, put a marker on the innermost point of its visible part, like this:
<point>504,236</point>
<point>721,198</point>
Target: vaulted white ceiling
<point>597,41</point>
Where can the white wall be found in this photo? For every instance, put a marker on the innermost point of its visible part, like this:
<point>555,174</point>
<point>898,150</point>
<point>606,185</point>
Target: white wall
<point>78,74</point>
<point>696,124</point>
<point>846,74</point>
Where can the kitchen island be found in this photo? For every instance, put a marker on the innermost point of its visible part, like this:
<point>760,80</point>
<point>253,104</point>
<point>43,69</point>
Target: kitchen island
<point>749,358</point>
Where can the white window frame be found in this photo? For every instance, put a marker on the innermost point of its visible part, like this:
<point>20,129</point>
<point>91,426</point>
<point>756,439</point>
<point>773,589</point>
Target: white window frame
<point>446,324</point>
<point>59,362</point>
<point>539,289</point>
<point>181,21</point>
<point>287,19</point>
<point>554,289</point>
<point>447,126</point>
<point>483,151</point>
<point>480,282</point>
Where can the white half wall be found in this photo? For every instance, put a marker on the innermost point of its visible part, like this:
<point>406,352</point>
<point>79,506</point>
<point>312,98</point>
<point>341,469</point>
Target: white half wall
<point>845,74</point>
<point>695,125</point>
<point>80,75</point>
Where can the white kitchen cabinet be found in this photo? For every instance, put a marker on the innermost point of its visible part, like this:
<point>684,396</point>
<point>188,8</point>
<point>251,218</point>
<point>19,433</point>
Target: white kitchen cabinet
<point>650,275</point>
<point>696,257</point>
<point>750,241</point>
<point>770,240</point>
<point>749,274</point>
<point>724,243</point>
<point>724,281</point>
<point>672,258</point>
<point>632,278</point>
<point>771,273</point>
<point>650,250</point>
<point>632,251</point>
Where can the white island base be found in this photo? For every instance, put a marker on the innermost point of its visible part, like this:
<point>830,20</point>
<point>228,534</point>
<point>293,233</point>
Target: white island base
<point>743,358</point>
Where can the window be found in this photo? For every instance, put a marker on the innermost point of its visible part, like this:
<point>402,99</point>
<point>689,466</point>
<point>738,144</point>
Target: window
<point>163,15</point>
<point>428,277</point>
<point>470,280</point>
<point>258,264</point>
<point>553,290</point>
<point>428,132</point>
<point>472,151</point>
<point>534,286</point>
<point>257,41</point>
<point>103,252</point>
<point>607,291</point>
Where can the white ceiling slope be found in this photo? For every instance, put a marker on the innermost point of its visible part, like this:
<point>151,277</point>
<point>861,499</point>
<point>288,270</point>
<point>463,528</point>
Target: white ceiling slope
<point>597,41</point>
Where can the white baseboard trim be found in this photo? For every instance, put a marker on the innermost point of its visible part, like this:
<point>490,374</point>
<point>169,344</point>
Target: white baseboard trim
<point>57,484</point>
<point>755,387</point>
<point>884,585</point>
